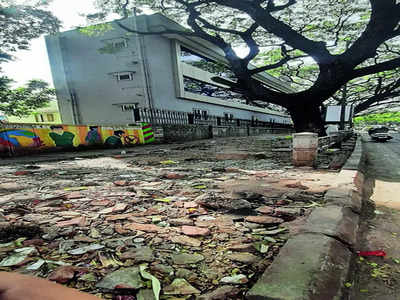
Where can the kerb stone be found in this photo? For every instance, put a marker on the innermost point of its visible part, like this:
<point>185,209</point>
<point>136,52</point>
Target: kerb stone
<point>344,197</point>
<point>335,221</point>
<point>309,266</point>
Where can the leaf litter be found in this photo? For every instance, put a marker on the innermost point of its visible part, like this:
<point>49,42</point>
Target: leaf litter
<point>115,232</point>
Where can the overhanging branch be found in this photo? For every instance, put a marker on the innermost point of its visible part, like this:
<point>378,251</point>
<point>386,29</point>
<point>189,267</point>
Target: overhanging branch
<point>385,66</point>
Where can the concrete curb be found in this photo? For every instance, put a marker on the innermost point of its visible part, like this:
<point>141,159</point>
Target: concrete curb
<point>315,263</point>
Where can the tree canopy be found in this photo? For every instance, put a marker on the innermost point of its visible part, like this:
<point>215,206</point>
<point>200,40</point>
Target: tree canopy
<point>386,118</point>
<point>316,46</point>
<point>23,100</point>
<point>19,24</point>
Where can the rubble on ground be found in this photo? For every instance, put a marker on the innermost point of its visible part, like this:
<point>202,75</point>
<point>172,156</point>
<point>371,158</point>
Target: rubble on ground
<point>177,222</point>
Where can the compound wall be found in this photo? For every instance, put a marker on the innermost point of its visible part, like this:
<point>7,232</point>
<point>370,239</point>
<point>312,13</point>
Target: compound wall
<point>18,139</point>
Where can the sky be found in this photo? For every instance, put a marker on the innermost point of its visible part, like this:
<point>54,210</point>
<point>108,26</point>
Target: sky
<point>33,63</point>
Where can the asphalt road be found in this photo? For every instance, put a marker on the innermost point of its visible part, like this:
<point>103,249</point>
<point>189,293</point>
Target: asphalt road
<point>383,159</point>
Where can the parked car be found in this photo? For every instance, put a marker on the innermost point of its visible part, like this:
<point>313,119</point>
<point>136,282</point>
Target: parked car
<point>379,134</point>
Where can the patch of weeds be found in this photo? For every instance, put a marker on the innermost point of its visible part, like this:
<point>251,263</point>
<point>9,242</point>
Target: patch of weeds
<point>381,272</point>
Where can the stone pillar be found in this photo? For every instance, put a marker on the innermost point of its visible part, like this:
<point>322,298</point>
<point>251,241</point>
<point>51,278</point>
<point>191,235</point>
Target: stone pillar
<point>305,149</point>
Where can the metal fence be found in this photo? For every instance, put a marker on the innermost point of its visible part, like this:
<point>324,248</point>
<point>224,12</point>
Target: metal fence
<point>327,141</point>
<point>169,117</point>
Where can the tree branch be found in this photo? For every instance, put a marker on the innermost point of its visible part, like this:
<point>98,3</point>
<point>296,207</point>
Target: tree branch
<point>317,50</point>
<point>385,17</point>
<point>385,66</point>
<point>271,67</point>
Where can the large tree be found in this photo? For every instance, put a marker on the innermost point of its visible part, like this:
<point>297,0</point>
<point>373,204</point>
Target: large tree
<point>23,100</point>
<point>19,24</point>
<point>330,42</point>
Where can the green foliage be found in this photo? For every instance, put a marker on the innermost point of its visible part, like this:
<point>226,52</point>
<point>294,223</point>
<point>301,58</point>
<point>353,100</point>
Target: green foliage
<point>21,23</point>
<point>96,30</point>
<point>285,42</point>
<point>18,25</point>
<point>22,101</point>
<point>382,118</point>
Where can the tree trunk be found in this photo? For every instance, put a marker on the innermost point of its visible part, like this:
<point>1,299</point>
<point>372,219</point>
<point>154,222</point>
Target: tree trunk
<point>307,117</point>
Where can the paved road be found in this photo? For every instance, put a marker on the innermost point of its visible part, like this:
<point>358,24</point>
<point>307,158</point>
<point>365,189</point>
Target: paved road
<point>383,158</point>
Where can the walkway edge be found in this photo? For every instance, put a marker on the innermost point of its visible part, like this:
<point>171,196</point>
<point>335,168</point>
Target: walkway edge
<point>315,263</point>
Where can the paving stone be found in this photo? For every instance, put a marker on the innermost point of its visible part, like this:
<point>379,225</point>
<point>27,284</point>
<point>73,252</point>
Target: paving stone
<point>267,210</point>
<point>221,293</point>
<point>163,269</point>
<point>189,275</point>
<point>186,258</point>
<point>81,221</point>
<point>185,240</point>
<point>244,257</point>
<point>263,220</point>
<point>180,287</point>
<point>127,277</point>
<point>239,204</point>
<point>235,279</point>
<point>174,176</point>
<point>195,231</point>
<point>143,227</point>
<point>143,254</point>
<point>181,221</point>
<point>242,247</point>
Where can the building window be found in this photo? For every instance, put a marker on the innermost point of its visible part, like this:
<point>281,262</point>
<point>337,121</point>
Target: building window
<point>204,63</point>
<point>198,87</point>
<point>119,44</point>
<point>200,114</point>
<point>124,76</point>
<point>50,117</point>
<point>39,118</point>
<point>228,117</point>
<point>197,113</point>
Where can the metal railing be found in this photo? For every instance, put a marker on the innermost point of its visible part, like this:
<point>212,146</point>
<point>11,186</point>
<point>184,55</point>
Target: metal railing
<point>328,141</point>
<point>169,117</point>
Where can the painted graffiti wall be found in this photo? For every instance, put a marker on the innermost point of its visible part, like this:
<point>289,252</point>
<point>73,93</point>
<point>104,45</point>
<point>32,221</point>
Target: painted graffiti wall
<point>23,138</point>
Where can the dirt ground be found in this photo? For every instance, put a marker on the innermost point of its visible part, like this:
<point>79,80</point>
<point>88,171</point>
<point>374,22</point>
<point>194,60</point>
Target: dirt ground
<point>379,278</point>
<point>203,218</point>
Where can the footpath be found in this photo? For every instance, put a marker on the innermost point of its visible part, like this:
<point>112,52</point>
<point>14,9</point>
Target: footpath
<point>213,219</point>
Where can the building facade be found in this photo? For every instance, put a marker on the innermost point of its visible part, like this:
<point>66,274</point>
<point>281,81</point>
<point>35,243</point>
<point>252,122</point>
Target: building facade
<point>47,115</point>
<point>101,75</point>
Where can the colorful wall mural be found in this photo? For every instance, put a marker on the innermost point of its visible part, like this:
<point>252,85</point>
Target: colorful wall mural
<point>23,138</point>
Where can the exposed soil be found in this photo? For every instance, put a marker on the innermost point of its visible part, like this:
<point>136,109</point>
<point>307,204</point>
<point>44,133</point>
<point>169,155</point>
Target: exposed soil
<point>379,278</point>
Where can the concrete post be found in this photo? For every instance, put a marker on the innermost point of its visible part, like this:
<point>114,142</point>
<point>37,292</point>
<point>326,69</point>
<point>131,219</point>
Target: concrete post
<point>305,149</point>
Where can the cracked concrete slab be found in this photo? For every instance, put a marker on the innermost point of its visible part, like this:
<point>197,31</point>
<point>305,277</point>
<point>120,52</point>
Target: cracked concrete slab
<point>335,221</point>
<point>309,266</point>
